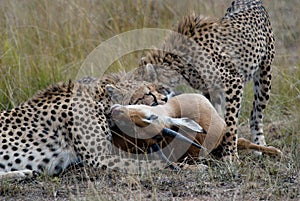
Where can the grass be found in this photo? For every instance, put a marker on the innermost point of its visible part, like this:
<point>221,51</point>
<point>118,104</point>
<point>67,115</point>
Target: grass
<point>44,42</point>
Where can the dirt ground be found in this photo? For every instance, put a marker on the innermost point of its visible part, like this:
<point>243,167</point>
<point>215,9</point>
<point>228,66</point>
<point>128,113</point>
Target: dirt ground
<point>252,180</point>
<point>255,178</point>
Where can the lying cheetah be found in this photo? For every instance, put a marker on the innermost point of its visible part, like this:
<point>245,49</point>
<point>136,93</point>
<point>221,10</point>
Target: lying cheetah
<point>68,124</point>
<point>218,57</point>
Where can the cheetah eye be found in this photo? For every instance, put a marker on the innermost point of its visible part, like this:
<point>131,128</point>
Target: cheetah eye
<point>155,102</point>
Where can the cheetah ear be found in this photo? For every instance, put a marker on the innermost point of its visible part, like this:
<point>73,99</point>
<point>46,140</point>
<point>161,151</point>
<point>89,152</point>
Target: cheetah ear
<point>110,89</point>
<point>114,93</point>
<point>150,73</point>
<point>143,61</point>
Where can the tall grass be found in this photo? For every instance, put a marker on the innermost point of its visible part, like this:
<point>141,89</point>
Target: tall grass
<point>44,42</point>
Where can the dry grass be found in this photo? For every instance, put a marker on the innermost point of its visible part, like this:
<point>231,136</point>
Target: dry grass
<point>44,42</point>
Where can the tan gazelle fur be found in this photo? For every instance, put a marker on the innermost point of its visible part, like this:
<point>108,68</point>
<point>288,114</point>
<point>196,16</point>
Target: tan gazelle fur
<point>192,106</point>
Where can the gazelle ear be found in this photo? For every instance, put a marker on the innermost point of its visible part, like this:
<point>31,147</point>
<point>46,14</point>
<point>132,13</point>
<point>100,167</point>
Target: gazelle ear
<point>186,122</point>
<point>168,121</point>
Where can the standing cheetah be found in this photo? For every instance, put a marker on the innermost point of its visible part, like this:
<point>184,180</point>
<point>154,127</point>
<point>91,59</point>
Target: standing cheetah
<point>218,57</point>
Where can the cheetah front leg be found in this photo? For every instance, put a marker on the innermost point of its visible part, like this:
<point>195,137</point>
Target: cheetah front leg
<point>233,93</point>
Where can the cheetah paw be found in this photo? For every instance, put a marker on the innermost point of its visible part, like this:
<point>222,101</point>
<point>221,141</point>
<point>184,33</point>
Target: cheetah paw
<point>198,167</point>
<point>14,175</point>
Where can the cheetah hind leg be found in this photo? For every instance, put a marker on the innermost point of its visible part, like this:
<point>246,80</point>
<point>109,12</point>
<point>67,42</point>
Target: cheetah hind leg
<point>244,144</point>
<point>262,87</point>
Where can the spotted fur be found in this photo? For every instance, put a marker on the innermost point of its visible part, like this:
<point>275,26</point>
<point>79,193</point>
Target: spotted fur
<point>67,124</point>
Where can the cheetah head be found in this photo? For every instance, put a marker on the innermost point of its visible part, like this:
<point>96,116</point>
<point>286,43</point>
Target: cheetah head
<point>139,92</point>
